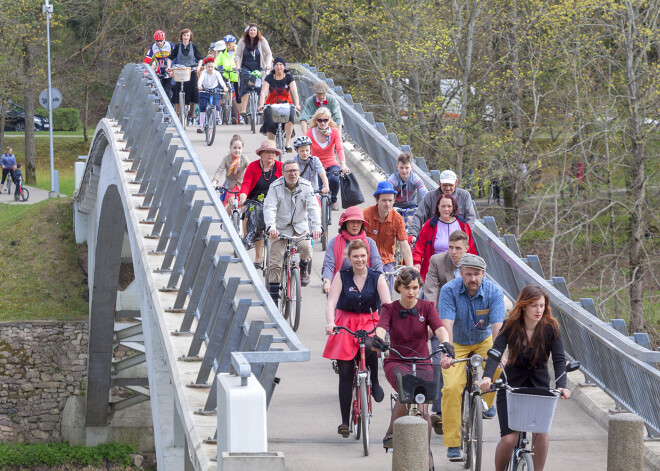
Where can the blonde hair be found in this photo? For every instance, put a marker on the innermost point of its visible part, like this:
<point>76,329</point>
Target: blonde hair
<point>322,111</point>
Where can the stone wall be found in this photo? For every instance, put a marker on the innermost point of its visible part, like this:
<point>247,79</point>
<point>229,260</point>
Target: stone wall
<point>41,365</point>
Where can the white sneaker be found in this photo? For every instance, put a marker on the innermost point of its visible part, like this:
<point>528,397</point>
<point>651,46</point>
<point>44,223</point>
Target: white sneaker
<point>218,122</point>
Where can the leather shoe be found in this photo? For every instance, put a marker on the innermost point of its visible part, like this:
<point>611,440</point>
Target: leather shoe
<point>436,422</point>
<point>377,392</point>
<point>335,206</point>
<point>304,274</point>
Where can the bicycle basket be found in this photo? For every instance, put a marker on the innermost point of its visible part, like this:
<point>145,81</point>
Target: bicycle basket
<point>254,79</point>
<point>530,409</point>
<point>421,388</point>
<point>280,113</point>
<point>180,73</point>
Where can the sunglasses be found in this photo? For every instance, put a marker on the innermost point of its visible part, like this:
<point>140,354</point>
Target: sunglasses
<point>322,120</point>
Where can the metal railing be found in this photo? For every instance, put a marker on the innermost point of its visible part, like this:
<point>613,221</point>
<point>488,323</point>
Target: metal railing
<point>625,370</point>
<point>199,243</point>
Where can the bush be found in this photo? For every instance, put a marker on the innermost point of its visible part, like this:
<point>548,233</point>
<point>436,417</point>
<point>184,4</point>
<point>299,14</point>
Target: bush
<point>66,119</point>
<point>32,455</point>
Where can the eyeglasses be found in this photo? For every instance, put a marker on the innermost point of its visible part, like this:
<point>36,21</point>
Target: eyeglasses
<point>292,171</point>
<point>322,120</point>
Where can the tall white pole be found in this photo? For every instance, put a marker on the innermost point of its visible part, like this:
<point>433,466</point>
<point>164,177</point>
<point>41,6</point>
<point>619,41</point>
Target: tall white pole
<point>48,9</point>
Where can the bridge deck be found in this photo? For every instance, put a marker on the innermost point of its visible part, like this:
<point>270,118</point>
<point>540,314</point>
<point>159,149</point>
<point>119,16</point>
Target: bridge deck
<point>304,412</point>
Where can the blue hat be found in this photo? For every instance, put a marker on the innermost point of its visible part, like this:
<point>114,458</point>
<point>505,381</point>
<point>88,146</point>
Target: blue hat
<point>385,188</point>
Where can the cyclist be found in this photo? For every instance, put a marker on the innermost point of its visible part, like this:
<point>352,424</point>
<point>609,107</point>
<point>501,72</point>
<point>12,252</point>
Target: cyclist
<point>279,86</point>
<point>410,189</point>
<point>448,183</point>
<point>289,205</point>
<point>259,175</point>
<point>311,168</point>
<point>8,163</point>
<point>472,310</point>
<point>224,62</point>
<point>319,99</point>
<point>186,53</point>
<point>233,165</point>
<point>326,139</point>
<point>408,322</point>
<point>159,52</point>
<point>18,181</point>
<point>210,79</point>
<point>352,226</point>
<point>354,300</point>
<point>531,334</point>
<point>252,53</point>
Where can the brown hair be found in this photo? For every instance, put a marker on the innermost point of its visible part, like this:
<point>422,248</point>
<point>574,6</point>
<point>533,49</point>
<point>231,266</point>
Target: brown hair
<point>235,138</point>
<point>184,31</point>
<point>459,235</point>
<point>515,327</point>
<point>322,111</point>
<point>357,244</point>
<point>454,203</point>
<point>405,158</point>
<point>407,276</point>
<point>249,43</point>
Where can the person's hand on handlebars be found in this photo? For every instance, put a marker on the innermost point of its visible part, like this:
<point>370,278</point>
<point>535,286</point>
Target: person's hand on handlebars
<point>485,384</point>
<point>328,328</point>
<point>380,344</point>
<point>565,393</point>
<point>273,233</point>
<point>445,362</point>
<point>344,168</point>
<point>450,349</point>
<point>297,107</point>
<point>316,235</point>
<point>325,190</point>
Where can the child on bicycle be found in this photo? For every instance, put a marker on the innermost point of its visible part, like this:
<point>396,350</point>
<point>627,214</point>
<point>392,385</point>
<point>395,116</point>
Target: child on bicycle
<point>18,181</point>
<point>311,167</point>
<point>410,189</point>
<point>233,165</point>
<point>209,79</point>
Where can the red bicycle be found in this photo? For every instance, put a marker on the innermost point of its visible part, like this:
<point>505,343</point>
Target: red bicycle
<point>361,407</point>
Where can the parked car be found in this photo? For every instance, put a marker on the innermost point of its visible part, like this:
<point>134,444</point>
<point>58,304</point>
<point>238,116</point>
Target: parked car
<point>15,119</point>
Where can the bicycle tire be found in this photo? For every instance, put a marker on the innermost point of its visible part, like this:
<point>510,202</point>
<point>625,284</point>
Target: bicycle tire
<point>279,141</point>
<point>294,299</point>
<point>465,427</point>
<point>355,414</point>
<point>364,417</point>
<point>236,221</point>
<point>210,128</point>
<point>182,109</point>
<point>8,184</point>
<point>476,433</point>
<point>253,112</point>
<point>525,462</point>
<point>25,194</point>
<point>324,223</point>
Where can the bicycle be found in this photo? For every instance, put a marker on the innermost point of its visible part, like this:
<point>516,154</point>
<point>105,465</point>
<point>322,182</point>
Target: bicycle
<point>227,103</point>
<point>290,287</point>
<point>253,89</point>
<point>471,414</point>
<point>360,415</point>
<point>182,75</point>
<point>541,406</point>
<point>235,214</point>
<point>9,181</point>
<point>279,114</point>
<point>390,276</point>
<point>254,205</point>
<point>406,214</point>
<point>326,217</point>
<point>23,192</point>
<point>209,128</point>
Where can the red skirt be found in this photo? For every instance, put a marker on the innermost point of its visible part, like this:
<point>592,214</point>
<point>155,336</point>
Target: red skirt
<point>344,346</point>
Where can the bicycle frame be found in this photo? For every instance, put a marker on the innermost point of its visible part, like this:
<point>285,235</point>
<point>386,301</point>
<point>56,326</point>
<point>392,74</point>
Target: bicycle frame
<point>471,436</point>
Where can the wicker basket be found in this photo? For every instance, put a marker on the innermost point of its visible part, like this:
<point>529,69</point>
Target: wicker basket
<point>181,73</point>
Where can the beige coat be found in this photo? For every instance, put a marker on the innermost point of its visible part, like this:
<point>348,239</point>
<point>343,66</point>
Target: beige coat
<point>264,50</point>
<point>235,178</point>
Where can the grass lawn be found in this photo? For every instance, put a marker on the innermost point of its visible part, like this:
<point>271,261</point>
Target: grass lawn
<point>42,278</point>
<point>66,152</point>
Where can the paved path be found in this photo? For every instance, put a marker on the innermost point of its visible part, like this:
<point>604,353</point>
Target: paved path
<point>304,413</point>
<point>36,195</point>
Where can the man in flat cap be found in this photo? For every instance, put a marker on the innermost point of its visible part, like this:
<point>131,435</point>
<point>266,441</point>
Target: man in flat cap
<point>472,310</point>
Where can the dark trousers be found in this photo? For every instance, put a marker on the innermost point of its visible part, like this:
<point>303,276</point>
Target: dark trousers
<point>10,172</point>
<point>333,182</point>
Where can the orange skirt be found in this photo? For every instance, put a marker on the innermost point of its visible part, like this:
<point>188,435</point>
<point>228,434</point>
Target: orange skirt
<point>344,346</point>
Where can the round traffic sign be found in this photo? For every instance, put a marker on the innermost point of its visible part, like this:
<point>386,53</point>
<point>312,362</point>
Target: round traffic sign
<point>56,96</point>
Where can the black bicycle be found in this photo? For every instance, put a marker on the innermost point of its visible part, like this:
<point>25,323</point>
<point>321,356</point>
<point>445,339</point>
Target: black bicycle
<point>210,122</point>
<point>326,217</point>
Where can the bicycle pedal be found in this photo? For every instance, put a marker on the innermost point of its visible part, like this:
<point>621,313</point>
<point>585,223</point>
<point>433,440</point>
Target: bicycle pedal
<point>456,460</point>
<point>335,368</point>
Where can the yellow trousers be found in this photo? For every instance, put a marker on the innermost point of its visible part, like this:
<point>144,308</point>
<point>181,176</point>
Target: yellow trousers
<point>452,391</point>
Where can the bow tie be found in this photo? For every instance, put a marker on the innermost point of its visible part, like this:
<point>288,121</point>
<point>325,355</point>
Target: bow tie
<point>321,103</point>
<point>403,313</point>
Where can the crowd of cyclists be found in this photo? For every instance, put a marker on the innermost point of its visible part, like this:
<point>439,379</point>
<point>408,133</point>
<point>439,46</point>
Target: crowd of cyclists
<point>445,297</point>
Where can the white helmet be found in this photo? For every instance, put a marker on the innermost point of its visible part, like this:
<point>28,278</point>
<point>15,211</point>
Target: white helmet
<point>220,46</point>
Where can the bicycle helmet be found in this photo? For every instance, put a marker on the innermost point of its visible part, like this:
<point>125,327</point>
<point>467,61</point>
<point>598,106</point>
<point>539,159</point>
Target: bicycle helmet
<point>256,74</point>
<point>301,141</point>
<point>229,39</point>
<point>159,35</point>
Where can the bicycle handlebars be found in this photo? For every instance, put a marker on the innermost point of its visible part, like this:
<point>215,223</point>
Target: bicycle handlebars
<point>442,349</point>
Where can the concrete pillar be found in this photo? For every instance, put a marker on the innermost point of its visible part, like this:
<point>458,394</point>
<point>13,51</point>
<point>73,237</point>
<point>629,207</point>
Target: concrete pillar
<point>625,443</point>
<point>411,444</point>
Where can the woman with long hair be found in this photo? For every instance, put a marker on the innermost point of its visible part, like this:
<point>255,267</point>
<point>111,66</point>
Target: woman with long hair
<point>531,334</point>
<point>252,53</point>
<point>186,53</point>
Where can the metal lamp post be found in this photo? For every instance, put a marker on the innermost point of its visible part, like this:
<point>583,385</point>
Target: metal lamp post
<point>48,9</point>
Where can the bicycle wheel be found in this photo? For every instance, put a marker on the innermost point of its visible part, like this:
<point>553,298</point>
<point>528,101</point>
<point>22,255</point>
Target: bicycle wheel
<point>236,221</point>
<point>25,194</point>
<point>364,417</point>
<point>279,140</point>
<point>266,259</point>
<point>8,184</point>
<point>182,108</point>
<point>293,299</point>
<point>210,127</point>
<point>525,463</point>
<point>253,112</point>
<point>465,428</point>
<point>476,433</point>
<point>356,427</point>
<point>324,223</point>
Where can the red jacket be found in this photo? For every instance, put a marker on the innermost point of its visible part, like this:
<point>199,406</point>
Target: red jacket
<point>424,245</point>
<point>253,174</point>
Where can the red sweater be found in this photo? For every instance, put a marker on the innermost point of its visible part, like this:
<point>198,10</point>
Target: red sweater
<point>253,174</point>
<point>327,154</point>
<point>424,245</point>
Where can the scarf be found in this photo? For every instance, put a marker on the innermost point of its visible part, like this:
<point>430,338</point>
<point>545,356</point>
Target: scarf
<point>326,132</point>
<point>341,241</point>
<point>233,167</point>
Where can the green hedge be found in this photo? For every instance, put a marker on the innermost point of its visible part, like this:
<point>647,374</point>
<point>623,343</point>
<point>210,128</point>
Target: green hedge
<point>66,119</point>
<point>21,455</point>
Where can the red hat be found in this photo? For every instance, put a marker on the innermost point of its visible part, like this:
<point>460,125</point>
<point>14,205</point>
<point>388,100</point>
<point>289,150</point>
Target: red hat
<point>354,213</point>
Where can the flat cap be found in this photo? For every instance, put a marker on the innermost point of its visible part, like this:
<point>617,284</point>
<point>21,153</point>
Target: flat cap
<point>473,261</point>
